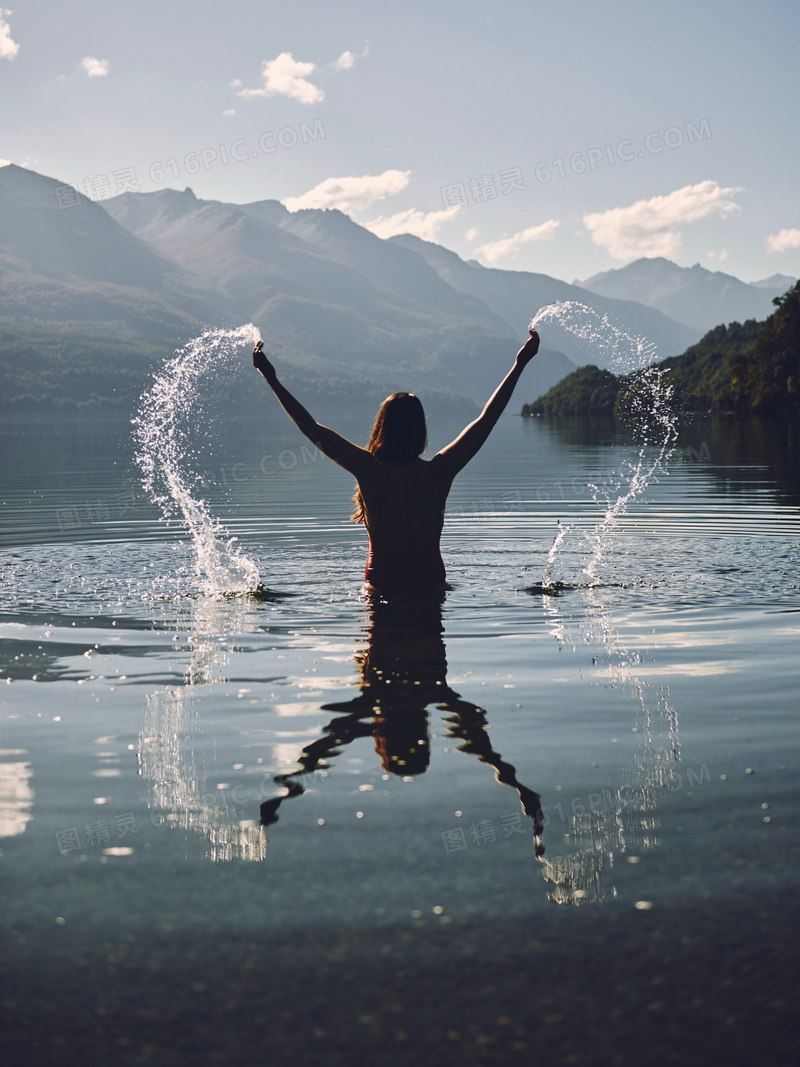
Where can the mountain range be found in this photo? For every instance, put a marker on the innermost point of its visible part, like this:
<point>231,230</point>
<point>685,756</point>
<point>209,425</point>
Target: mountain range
<point>259,253</point>
<point>692,295</point>
<point>77,264</point>
<point>343,312</point>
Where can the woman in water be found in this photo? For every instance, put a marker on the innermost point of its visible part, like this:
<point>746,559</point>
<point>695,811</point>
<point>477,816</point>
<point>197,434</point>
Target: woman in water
<point>400,496</point>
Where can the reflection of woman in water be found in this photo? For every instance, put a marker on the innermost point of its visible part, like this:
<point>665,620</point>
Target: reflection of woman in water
<point>402,671</point>
<point>401,497</point>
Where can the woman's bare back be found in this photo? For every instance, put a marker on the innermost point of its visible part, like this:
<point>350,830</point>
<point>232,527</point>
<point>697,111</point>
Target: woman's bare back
<point>404,504</point>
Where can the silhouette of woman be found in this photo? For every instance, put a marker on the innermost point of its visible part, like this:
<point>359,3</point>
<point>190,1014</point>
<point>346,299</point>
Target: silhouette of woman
<point>400,496</point>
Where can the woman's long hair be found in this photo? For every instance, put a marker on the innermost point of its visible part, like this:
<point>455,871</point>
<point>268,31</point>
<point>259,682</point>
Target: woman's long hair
<point>399,435</point>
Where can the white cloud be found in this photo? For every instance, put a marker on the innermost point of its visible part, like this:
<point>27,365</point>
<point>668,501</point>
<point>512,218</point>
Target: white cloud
<point>647,228</point>
<point>783,241</point>
<point>352,193</point>
<point>494,251</point>
<point>5,162</point>
<point>287,76</point>
<point>418,223</point>
<point>8,47</point>
<point>345,61</point>
<point>229,112</point>
<point>237,83</point>
<point>472,234</point>
<point>94,68</point>
<point>719,256</point>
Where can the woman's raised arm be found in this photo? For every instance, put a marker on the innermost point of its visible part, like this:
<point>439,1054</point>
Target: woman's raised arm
<point>357,460</point>
<point>455,456</point>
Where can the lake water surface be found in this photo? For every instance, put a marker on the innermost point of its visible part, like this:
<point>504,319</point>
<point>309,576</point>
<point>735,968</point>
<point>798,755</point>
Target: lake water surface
<point>552,815</point>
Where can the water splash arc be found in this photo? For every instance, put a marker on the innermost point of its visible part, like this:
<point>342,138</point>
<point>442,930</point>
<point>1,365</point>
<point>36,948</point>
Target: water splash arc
<point>622,351</point>
<point>621,821</point>
<point>650,414</point>
<point>162,429</point>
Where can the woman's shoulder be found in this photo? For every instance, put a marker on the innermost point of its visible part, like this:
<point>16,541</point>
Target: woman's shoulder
<point>437,464</point>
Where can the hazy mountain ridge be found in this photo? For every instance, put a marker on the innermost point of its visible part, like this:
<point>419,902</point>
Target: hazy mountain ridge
<point>693,295</point>
<point>387,265</point>
<point>334,302</point>
<point>77,263</point>
<point>324,321</point>
<point>779,283</point>
<point>516,295</point>
<point>321,256</point>
<point>331,294</point>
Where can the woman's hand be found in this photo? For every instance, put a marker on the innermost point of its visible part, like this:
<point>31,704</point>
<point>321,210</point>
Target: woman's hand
<point>528,350</point>
<point>261,363</point>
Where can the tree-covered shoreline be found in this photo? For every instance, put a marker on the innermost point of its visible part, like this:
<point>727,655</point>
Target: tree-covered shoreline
<point>66,371</point>
<point>745,368</point>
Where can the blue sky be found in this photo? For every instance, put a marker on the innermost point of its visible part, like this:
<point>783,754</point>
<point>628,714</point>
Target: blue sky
<point>566,138</point>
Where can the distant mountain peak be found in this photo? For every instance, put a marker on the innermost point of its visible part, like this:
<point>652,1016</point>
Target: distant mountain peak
<point>71,260</point>
<point>778,282</point>
<point>693,295</point>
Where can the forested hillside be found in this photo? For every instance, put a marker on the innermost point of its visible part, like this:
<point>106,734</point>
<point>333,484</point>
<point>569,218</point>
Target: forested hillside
<point>751,367</point>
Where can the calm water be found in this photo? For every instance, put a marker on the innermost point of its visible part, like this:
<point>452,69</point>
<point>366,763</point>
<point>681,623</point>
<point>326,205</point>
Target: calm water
<point>247,787</point>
